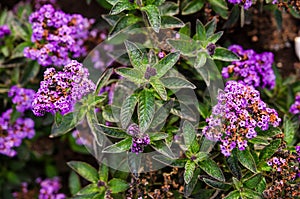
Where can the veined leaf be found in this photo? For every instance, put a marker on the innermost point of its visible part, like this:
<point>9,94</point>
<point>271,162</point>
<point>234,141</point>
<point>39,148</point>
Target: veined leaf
<point>161,114</point>
<point>200,31</point>
<point>92,122</point>
<point>216,184</point>
<point>103,80</point>
<point>189,169</point>
<point>159,88</point>
<point>246,159</point>
<point>233,195</point>
<point>289,130</point>
<point>215,37</point>
<point>211,168</point>
<point>87,192</point>
<point>119,147</point>
<point>253,181</point>
<point>112,131</point>
<point>177,83</point>
<point>166,63</point>
<point>74,183</point>
<point>185,30</point>
<point>117,185</point>
<point>158,136</point>
<point>120,6</point>
<point>193,6</point>
<point>220,7</point>
<point>189,133</point>
<point>200,59</point>
<point>146,109</point>
<point>186,47</point>
<point>169,9</point>
<point>161,147</point>
<point>103,172</point>
<point>153,16</point>
<point>171,22</point>
<point>136,56</point>
<point>224,54</point>
<point>124,23</point>
<point>189,188</point>
<point>112,19</point>
<point>127,109</point>
<point>269,150</point>
<point>85,170</point>
<point>233,164</point>
<point>131,74</point>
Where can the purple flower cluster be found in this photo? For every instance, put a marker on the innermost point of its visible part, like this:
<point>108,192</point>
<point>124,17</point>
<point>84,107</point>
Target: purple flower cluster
<point>298,152</point>
<point>48,190</point>
<point>60,90</point>
<point>57,36</point>
<point>295,108</point>
<point>139,141</point>
<point>254,69</point>
<point>12,134</point>
<point>236,115</point>
<point>4,31</point>
<point>246,3</point>
<point>22,97</point>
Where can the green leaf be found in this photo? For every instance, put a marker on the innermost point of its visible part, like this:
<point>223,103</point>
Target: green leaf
<point>186,30</point>
<point>233,195</point>
<point>189,133</point>
<point>177,83</point>
<point>233,17</point>
<point>248,193</point>
<point>120,6</point>
<point>166,63</point>
<point>30,72</point>
<point>215,37</point>
<point>211,168</point>
<point>103,172</point>
<point>112,2</point>
<point>159,88</point>
<point>136,56</point>
<point>131,74</point>
<point>211,27</point>
<point>269,150</point>
<point>224,54</point>
<point>112,131</point>
<point>289,130</point>
<point>216,184</point>
<point>85,170</point>
<point>246,159</point>
<point>188,188</point>
<point>103,80</point>
<point>220,7</point>
<point>233,165</point>
<point>161,114</point>
<point>253,181</point>
<point>108,114</point>
<point>117,185</point>
<point>161,147</point>
<point>112,19</point>
<point>92,122</point>
<point>124,23</point>
<point>146,109</point>
<point>127,109</point>
<point>90,189</point>
<point>74,183</point>
<point>153,16</point>
<point>261,186</point>
<point>200,31</point>
<point>192,7</point>
<point>119,147</point>
<point>200,59</point>
<point>171,22</point>
<point>169,9</point>
<point>155,2</point>
<point>158,136</point>
<point>178,163</point>
<point>186,47</point>
<point>189,169</point>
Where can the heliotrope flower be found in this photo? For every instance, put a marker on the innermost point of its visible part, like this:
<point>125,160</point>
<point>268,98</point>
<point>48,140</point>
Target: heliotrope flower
<point>295,107</point>
<point>48,189</point>
<point>22,97</point>
<point>245,3</point>
<point>254,69</point>
<point>4,31</point>
<point>236,116</point>
<point>57,36</point>
<point>60,90</point>
<point>139,140</point>
<point>12,134</point>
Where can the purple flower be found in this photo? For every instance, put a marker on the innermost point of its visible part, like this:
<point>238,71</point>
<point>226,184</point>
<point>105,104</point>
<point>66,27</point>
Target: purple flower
<point>49,189</point>
<point>253,70</point>
<point>247,3</point>
<point>60,90</point>
<point>295,108</point>
<point>58,36</point>
<point>236,115</point>
<point>12,134</point>
<point>22,97</point>
<point>4,31</point>
<point>161,54</point>
<point>139,140</point>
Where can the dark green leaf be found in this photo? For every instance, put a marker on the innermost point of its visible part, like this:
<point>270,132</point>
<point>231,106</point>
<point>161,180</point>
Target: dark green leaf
<point>112,131</point>
<point>153,16</point>
<point>74,183</point>
<point>261,186</point>
<point>112,19</point>
<point>177,83</point>
<point>251,194</point>
<point>120,6</point>
<point>103,80</point>
<point>103,172</point>
<point>211,27</point>
<point>188,188</point>
<point>161,114</point>
<point>131,74</point>
<point>85,170</point>
<point>125,23</point>
<point>233,17</point>
<point>119,147</point>
<point>169,9</point>
<point>117,185</point>
<point>220,7</point>
<point>215,37</point>
<point>224,54</point>
<point>127,109</point>
<point>246,159</point>
<point>289,130</point>
<point>200,31</point>
<point>233,195</point>
<point>189,133</point>
<point>171,22</point>
<point>186,30</point>
<point>216,184</point>
<point>200,59</point>
<point>165,64</point>
<point>87,190</point>
<point>159,88</point>
<point>161,147</point>
<point>211,168</point>
<point>278,19</point>
<point>232,162</point>
<point>269,150</point>
<point>253,181</point>
<point>136,56</point>
<point>186,47</point>
<point>30,72</point>
<point>92,122</point>
<point>189,169</point>
<point>157,136</point>
<point>146,109</point>
<point>193,7</point>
